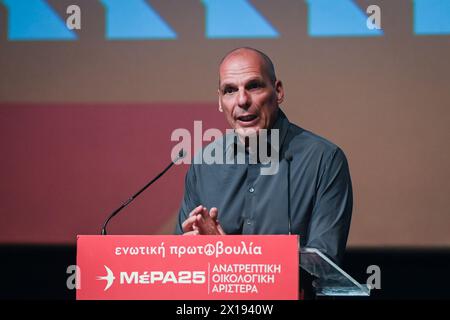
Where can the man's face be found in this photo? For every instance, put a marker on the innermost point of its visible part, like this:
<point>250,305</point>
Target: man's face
<point>246,94</point>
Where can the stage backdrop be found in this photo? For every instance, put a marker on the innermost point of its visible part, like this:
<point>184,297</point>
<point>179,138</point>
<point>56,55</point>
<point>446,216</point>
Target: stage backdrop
<point>86,114</point>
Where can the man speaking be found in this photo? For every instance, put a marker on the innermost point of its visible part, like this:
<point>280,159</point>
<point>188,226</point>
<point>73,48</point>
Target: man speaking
<point>310,193</point>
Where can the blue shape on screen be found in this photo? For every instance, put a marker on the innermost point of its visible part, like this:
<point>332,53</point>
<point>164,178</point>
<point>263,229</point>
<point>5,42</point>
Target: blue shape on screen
<point>236,19</point>
<point>431,17</point>
<point>134,19</point>
<point>35,20</point>
<point>337,18</point>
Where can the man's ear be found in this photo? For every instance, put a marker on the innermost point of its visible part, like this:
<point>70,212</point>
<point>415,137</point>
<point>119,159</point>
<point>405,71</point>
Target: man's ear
<point>280,91</point>
<point>220,103</point>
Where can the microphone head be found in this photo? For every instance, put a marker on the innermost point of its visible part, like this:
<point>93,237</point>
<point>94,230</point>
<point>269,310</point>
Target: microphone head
<point>181,154</point>
<point>288,156</point>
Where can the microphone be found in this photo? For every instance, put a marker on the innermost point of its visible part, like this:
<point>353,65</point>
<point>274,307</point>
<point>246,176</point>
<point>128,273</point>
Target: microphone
<point>181,155</point>
<point>288,157</point>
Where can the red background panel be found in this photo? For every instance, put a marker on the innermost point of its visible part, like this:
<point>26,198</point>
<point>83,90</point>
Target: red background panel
<point>65,167</point>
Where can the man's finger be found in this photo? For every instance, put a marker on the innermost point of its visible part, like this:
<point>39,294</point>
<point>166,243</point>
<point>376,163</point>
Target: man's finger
<point>219,227</point>
<point>214,212</point>
<point>196,211</point>
<point>188,223</point>
<point>205,212</point>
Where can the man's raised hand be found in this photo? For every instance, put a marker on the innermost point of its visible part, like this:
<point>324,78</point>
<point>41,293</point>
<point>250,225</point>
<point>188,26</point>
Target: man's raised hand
<point>200,221</point>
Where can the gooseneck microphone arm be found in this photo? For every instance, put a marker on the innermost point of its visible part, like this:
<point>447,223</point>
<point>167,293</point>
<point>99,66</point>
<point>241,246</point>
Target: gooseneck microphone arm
<point>288,157</point>
<point>181,155</point>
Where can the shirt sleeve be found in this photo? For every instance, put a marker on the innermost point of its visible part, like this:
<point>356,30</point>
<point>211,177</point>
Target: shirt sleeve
<point>331,215</point>
<point>190,199</point>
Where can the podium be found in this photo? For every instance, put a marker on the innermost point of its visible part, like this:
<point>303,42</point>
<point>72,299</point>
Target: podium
<point>175,267</point>
<point>232,267</point>
<point>323,278</point>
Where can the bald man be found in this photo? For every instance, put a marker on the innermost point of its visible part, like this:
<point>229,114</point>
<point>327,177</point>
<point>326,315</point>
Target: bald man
<point>223,198</point>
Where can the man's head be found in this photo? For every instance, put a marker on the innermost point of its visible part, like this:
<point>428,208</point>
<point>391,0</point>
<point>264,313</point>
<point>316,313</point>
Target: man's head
<point>249,93</point>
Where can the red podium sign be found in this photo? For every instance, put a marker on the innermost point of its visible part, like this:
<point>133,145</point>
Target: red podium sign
<point>255,267</point>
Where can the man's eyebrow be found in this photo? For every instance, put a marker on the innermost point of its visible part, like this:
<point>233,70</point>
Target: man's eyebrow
<point>255,80</point>
<point>226,84</point>
<point>250,80</point>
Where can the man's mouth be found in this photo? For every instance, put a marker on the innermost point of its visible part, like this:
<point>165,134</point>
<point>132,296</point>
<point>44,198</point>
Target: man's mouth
<point>247,118</point>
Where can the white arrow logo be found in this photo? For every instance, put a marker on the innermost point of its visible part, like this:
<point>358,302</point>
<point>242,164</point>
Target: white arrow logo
<point>109,278</point>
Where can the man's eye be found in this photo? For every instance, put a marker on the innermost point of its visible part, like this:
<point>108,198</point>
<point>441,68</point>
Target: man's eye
<point>228,90</point>
<point>254,85</point>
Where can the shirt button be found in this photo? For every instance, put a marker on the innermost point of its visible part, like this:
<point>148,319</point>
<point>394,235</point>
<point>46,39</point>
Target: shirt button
<point>249,221</point>
<point>251,190</point>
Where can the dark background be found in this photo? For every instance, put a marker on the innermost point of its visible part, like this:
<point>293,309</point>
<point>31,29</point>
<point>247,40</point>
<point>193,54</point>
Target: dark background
<point>39,272</point>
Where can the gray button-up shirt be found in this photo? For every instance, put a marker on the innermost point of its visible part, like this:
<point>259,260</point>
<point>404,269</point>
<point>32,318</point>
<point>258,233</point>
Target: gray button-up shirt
<point>251,203</point>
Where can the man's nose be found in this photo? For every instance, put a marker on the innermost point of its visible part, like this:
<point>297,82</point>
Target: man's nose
<point>244,99</point>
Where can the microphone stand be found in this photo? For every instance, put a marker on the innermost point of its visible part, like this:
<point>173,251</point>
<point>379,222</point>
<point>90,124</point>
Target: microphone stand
<point>181,155</point>
<point>288,157</point>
